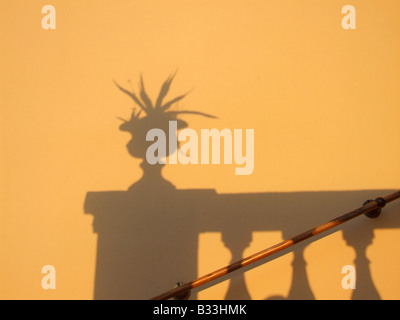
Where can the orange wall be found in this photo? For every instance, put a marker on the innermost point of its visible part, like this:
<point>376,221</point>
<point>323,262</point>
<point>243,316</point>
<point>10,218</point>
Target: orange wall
<point>323,101</point>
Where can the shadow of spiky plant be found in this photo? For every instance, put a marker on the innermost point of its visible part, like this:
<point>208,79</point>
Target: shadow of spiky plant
<point>152,115</point>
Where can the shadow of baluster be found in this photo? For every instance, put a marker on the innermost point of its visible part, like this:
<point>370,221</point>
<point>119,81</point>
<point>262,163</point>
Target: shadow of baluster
<point>237,287</point>
<point>300,288</point>
<point>360,239</point>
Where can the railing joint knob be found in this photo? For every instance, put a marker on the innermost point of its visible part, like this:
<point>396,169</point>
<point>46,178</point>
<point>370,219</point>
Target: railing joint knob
<point>182,296</point>
<point>375,213</point>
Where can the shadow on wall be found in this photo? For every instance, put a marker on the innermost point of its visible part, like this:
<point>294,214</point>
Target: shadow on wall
<point>148,234</point>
